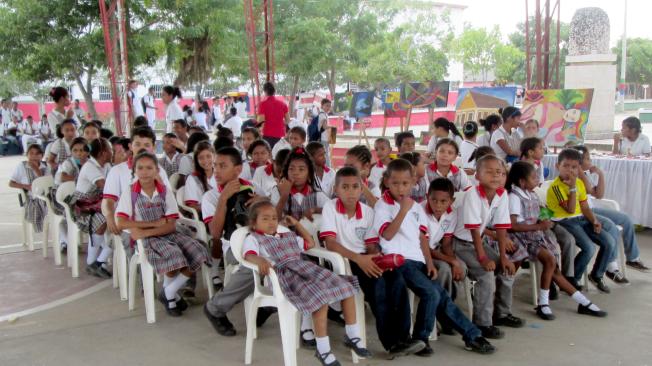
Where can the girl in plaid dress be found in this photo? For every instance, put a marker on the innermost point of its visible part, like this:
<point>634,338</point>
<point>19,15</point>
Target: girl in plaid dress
<point>535,235</point>
<point>309,287</point>
<point>171,154</point>
<point>22,178</point>
<point>86,203</point>
<point>60,148</point>
<point>149,211</point>
<point>298,194</point>
<point>420,189</point>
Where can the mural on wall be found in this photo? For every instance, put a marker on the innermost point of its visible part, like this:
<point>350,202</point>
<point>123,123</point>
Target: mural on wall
<point>431,94</point>
<point>563,114</point>
<point>474,104</point>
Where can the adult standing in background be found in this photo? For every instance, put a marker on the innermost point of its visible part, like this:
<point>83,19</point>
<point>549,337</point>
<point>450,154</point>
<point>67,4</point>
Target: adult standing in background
<point>273,115</point>
<point>218,116</point>
<point>170,96</point>
<point>5,116</point>
<point>228,103</point>
<point>61,100</point>
<point>17,113</point>
<point>79,112</point>
<point>134,101</point>
<point>150,107</point>
<point>241,106</point>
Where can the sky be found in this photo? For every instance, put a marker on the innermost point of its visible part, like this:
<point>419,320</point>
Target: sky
<point>507,13</point>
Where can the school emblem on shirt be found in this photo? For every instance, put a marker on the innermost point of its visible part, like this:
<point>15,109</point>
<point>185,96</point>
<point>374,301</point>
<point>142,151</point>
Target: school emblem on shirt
<point>415,215</point>
<point>360,232</point>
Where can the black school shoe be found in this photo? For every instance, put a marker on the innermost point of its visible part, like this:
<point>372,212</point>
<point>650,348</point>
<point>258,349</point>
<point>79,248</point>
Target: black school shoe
<point>480,345</point>
<point>554,292</point>
<point>585,310</point>
<point>491,332</point>
<point>323,356</point>
<point>309,343</point>
<point>427,351</point>
<point>599,284</point>
<point>408,347</point>
<point>263,314</point>
<point>543,315</point>
<point>509,321</point>
<point>175,311</point>
<point>182,304</point>
<point>352,343</point>
<point>221,324</point>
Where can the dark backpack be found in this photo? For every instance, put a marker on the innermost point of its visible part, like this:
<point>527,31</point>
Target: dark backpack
<point>142,102</point>
<point>314,132</point>
<point>236,211</point>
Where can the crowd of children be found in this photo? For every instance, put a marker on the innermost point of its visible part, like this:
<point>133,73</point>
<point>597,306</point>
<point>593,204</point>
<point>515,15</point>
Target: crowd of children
<point>481,219</point>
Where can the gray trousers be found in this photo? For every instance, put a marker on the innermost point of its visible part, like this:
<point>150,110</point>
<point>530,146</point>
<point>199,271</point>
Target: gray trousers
<point>240,286</point>
<point>568,250</point>
<point>492,290</point>
<point>445,276</point>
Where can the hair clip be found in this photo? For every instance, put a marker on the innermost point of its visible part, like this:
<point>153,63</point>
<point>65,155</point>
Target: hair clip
<point>299,150</point>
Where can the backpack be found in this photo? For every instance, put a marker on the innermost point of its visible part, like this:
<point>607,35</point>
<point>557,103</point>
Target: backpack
<point>142,102</point>
<point>236,212</point>
<point>314,132</point>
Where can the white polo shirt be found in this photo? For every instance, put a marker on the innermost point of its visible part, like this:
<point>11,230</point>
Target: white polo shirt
<point>251,246</point>
<point>125,206</point>
<point>91,172</point>
<point>467,148</point>
<point>264,181</point>
<point>515,206</point>
<point>186,165</point>
<point>354,233</point>
<point>120,178</point>
<point>67,167</point>
<point>406,242</point>
<point>456,175</point>
<point>299,196</point>
<point>59,147</point>
<point>497,135</point>
<point>194,191</point>
<point>282,144</point>
<point>249,170</point>
<point>442,228</point>
<point>477,213</point>
<point>639,147</point>
<point>20,176</point>
<point>376,174</point>
<point>327,182</point>
<point>209,205</point>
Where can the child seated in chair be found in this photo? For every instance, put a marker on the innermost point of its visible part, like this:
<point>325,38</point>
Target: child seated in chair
<point>149,211</point>
<point>307,286</point>
<point>202,178</point>
<point>23,176</point>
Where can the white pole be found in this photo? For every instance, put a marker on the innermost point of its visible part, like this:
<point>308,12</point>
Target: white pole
<point>623,63</point>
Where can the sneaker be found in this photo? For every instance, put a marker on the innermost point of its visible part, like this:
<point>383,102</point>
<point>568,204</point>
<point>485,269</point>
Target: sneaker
<point>599,283</point>
<point>509,321</point>
<point>263,314</point>
<point>323,356</point>
<point>221,324</point>
<point>638,265</point>
<point>308,343</point>
<point>618,277</point>
<point>352,343</point>
<point>542,315</point>
<point>480,345</point>
<point>335,316</point>
<point>491,332</point>
<point>585,310</point>
<point>409,347</point>
<point>175,311</point>
<point>575,284</point>
<point>427,351</point>
<point>554,292</point>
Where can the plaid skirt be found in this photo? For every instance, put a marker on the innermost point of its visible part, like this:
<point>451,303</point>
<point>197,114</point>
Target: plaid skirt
<point>35,212</point>
<point>535,241</point>
<point>56,206</point>
<point>519,254</point>
<point>88,222</point>
<point>309,287</point>
<point>174,251</point>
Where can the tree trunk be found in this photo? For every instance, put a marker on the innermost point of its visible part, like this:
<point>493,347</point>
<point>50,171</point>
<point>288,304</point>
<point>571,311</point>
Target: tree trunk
<point>331,81</point>
<point>292,96</point>
<point>87,91</point>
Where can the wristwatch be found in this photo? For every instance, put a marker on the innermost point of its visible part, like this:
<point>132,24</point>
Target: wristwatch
<point>572,190</point>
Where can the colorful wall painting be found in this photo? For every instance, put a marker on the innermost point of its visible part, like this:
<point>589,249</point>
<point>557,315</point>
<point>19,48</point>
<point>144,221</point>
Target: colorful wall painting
<point>431,94</point>
<point>392,103</point>
<point>563,114</point>
<point>474,104</point>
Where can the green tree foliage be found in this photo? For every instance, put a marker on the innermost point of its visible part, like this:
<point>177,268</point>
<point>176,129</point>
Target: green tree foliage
<point>510,63</point>
<point>639,54</point>
<point>475,48</point>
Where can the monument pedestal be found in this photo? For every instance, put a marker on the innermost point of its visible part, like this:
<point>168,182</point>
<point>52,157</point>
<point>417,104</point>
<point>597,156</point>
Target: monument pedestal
<point>596,71</point>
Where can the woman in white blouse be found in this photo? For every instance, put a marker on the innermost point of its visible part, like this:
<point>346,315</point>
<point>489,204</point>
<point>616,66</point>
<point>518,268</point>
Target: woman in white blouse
<point>631,140</point>
<point>62,100</point>
<point>170,96</point>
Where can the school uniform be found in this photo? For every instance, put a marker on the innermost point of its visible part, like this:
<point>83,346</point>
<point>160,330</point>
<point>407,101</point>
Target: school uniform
<point>172,113</point>
<point>169,252</point>
<point>437,230</point>
<point>170,165</point>
<point>150,110</point>
<point>376,174</point>
<point>69,167</point>
<point>186,165</point>
<point>249,170</point>
<point>434,301</point>
<point>264,180</point>
<point>539,168</point>
<point>467,148</point>
<point>120,178</point>
<point>35,209</point>
<point>300,201</point>
<point>374,189</point>
<point>194,189</point>
<point>457,176</point>
<point>492,288</point>
<point>282,144</point>
<point>88,194</point>
<point>327,181</point>
<point>420,190</point>
<point>497,135</point>
<point>61,149</point>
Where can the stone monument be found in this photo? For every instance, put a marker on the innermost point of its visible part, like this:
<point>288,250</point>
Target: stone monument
<point>590,64</point>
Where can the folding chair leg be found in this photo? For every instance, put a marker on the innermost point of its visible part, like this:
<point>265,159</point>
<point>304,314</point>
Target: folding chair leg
<point>133,266</point>
<point>535,280</point>
<point>287,320</point>
<point>251,307</point>
<point>148,290</point>
<point>56,244</point>
<point>46,235</point>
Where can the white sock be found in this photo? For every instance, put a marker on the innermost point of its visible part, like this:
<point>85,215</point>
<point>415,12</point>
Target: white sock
<point>324,346</point>
<point>337,306</point>
<point>582,300</point>
<point>91,255</point>
<point>104,254</point>
<point>612,267</point>
<point>167,280</point>
<point>352,331</point>
<point>306,324</point>
<point>175,285</point>
<point>543,296</point>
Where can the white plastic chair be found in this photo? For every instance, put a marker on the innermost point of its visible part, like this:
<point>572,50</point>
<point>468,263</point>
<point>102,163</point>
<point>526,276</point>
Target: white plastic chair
<point>147,275</point>
<point>262,296</point>
<point>74,234</point>
<point>174,180</point>
<point>28,228</point>
<point>120,267</point>
<point>200,234</point>
<point>181,201</point>
<point>40,188</point>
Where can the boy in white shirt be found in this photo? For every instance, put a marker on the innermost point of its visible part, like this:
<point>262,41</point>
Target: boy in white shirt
<point>401,224</point>
<point>488,205</point>
<point>296,137</point>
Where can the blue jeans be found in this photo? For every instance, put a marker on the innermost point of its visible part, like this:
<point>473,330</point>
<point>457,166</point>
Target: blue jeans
<point>629,235</point>
<point>586,238</point>
<point>434,302</point>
